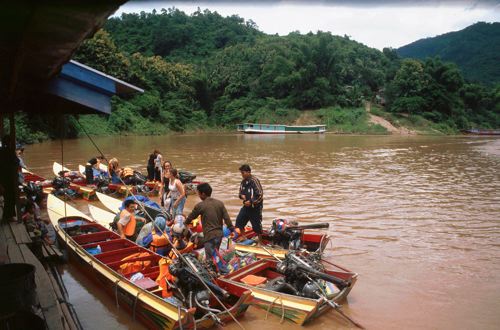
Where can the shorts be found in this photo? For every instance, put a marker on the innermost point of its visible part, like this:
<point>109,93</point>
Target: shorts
<point>254,214</point>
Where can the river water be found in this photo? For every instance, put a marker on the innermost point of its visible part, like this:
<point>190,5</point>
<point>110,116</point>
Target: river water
<point>417,217</point>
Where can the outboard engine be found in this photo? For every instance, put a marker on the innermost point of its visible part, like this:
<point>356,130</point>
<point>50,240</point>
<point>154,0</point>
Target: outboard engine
<point>33,191</point>
<point>304,275</point>
<point>101,182</point>
<point>191,290</point>
<point>186,177</point>
<point>286,237</point>
<point>61,187</point>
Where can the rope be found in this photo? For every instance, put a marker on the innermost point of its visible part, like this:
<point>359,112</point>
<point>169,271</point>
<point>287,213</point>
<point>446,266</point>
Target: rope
<point>135,305</point>
<point>282,308</point>
<point>116,293</point>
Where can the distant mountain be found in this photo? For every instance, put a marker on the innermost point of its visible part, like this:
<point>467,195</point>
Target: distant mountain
<point>475,49</point>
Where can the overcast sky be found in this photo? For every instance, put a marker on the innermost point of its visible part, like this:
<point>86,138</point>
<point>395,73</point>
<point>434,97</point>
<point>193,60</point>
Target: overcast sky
<point>374,23</point>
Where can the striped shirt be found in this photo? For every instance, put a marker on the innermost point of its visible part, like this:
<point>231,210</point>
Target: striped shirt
<point>252,190</point>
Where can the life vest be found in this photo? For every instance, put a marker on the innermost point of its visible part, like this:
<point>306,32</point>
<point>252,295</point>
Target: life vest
<point>134,266</point>
<point>129,229</point>
<point>189,247</point>
<point>159,242</point>
<point>127,171</point>
<point>165,276</point>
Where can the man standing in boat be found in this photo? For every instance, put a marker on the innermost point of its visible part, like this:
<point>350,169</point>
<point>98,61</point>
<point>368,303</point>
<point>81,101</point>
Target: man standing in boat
<point>127,223</point>
<point>212,213</point>
<point>252,194</point>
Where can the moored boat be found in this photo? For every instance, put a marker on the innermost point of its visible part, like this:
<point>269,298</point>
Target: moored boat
<point>298,289</point>
<point>281,242</point>
<point>252,128</point>
<point>483,131</point>
<point>114,263</point>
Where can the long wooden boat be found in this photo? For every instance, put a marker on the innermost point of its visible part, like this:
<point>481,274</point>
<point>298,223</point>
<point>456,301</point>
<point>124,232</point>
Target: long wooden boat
<point>32,177</point>
<point>483,131</point>
<point>251,128</point>
<point>114,205</point>
<point>260,275</point>
<point>141,298</point>
<point>311,241</point>
<point>103,215</point>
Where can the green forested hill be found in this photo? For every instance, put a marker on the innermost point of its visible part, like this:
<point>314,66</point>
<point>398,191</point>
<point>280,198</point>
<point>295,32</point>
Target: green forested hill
<point>204,71</point>
<point>475,49</point>
<point>179,37</point>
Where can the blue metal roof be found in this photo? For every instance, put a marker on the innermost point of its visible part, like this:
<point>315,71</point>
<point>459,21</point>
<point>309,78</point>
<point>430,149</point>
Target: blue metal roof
<point>88,88</point>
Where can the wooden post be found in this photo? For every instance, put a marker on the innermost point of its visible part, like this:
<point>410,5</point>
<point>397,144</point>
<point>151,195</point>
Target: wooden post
<point>15,179</point>
<point>2,133</point>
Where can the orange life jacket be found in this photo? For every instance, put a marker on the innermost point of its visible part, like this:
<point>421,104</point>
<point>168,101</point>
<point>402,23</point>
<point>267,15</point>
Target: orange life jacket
<point>134,266</point>
<point>127,171</point>
<point>159,241</point>
<point>129,229</point>
<point>189,247</point>
<point>165,276</point>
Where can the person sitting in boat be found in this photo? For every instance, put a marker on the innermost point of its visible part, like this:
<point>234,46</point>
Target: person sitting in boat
<point>128,221</point>
<point>92,169</point>
<point>181,240</point>
<point>212,212</point>
<point>160,241</point>
<point>114,171</point>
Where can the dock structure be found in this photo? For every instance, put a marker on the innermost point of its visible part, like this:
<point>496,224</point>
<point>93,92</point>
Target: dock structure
<point>52,301</point>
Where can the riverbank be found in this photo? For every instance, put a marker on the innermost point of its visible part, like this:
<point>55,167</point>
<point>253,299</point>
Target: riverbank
<point>370,120</point>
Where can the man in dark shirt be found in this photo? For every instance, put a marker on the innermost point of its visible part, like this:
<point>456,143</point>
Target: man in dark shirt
<point>253,196</point>
<point>212,213</point>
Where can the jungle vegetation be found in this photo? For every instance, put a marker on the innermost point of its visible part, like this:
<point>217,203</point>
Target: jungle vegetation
<point>208,72</point>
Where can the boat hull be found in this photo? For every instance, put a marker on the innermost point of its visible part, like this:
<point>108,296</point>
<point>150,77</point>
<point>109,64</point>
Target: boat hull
<point>299,310</point>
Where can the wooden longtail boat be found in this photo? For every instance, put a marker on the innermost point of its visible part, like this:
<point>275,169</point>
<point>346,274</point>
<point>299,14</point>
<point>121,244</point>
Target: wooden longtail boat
<point>295,308</point>
<point>143,298</point>
<point>311,241</point>
<point>103,215</point>
<point>114,204</point>
<point>32,177</point>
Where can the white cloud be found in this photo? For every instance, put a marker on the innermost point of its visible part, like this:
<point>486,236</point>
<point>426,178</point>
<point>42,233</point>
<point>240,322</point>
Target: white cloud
<point>375,26</point>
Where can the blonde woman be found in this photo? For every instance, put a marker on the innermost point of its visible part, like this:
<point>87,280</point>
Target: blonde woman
<point>114,170</point>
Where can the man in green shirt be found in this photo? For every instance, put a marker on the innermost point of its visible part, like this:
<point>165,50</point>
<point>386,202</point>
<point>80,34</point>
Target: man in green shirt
<point>212,212</point>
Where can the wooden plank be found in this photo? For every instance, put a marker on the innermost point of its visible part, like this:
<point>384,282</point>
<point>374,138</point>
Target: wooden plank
<point>13,251</point>
<point>57,251</point>
<point>46,295</point>
<point>20,233</point>
<point>68,317</point>
<point>4,256</point>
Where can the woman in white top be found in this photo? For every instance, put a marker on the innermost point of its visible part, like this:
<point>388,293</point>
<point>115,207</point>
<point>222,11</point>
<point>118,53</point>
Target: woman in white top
<point>177,193</point>
<point>158,165</point>
<point>167,165</point>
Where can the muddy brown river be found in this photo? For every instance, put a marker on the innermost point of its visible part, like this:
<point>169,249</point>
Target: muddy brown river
<point>417,217</point>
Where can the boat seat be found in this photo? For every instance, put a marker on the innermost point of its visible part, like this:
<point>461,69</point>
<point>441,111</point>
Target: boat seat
<point>146,283</point>
<point>119,254</point>
<point>253,280</point>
